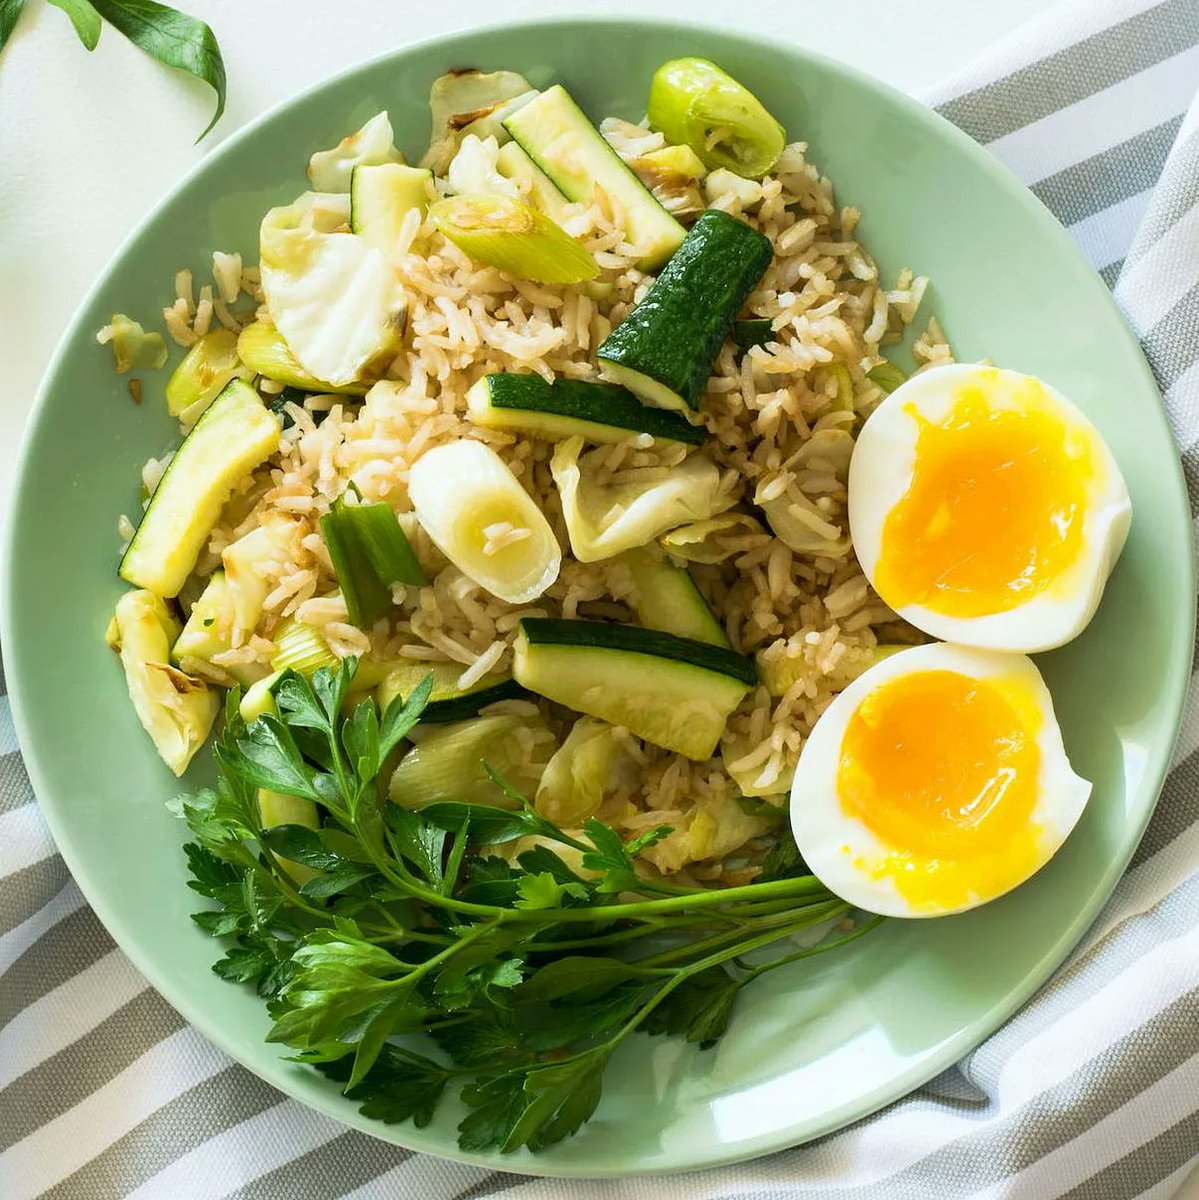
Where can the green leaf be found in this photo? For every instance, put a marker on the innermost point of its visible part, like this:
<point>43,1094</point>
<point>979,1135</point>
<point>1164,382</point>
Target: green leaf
<point>302,845</point>
<point>419,842</point>
<point>330,685</point>
<point>298,703</point>
<point>267,756</point>
<point>174,39</point>
<point>649,837</point>
<point>578,976</point>
<point>85,19</point>
<point>554,1026</point>
<point>544,891</point>
<point>478,966</point>
<point>360,737</point>
<point>398,1015</point>
<point>484,1038</point>
<point>10,14</point>
<point>333,883</point>
<point>615,859</point>
<point>496,1107</point>
<point>555,1101</point>
<point>698,1009</point>
<point>542,858</point>
<point>400,1086</point>
<point>401,717</point>
<point>783,860</point>
<point>488,826</point>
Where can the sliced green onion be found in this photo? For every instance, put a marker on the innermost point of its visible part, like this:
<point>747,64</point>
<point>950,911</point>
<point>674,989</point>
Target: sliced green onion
<point>844,400</point>
<point>133,347</point>
<point>205,369</point>
<point>369,553</point>
<point>301,648</point>
<point>447,763</point>
<point>887,375</point>
<point>694,103</point>
<point>262,348</point>
<point>755,332</point>
<point>513,236</point>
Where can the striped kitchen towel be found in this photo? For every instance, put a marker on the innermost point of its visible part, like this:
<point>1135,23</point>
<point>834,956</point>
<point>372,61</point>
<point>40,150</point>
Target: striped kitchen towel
<point>1091,1091</point>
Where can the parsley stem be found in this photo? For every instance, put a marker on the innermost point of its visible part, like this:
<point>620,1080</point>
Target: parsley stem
<point>819,948</point>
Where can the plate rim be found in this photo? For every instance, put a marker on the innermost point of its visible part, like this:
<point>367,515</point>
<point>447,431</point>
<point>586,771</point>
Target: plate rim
<point>1175,684</point>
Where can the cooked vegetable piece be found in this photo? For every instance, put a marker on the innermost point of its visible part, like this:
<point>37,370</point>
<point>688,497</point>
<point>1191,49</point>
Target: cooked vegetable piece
<point>133,347</point>
<point>382,196</point>
<point>447,701</point>
<point>745,766</point>
<point>795,517</point>
<point>780,671</point>
<point>337,301</point>
<point>708,541</point>
<point>447,762</point>
<point>471,102</point>
<point>242,561</point>
<point>596,412</point>
<point>664,349</point>
<point>332,170</point>
<point>844,382</point>
<point>233,437</point>
<point>603,518</point>
<point>584,769</point>
<point>718,826</point>
<point>302,648</point>
<point>671,691</point>
<point>369,553</point>
<point>754,332</point>
<point>278,808</point>
<point>507,233</point>
<point>564,144</point>
<point>259,698</point>
<point>209,630</point>
<point>665,597</point>
<point>176,710</point>
<point>534,185</point>
<point>887,375</point>
<point>205,369</point>
<point>262,348</point>
<point>693,101</point>
<point>671,161</point>
<point>475,171</point>
<point>483,521</point>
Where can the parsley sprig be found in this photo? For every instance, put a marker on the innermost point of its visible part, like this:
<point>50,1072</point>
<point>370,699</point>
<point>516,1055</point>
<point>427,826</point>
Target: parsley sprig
<point>520,978</point>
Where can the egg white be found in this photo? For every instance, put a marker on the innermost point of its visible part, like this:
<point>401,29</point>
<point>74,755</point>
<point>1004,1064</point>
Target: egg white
<point>842,852</point>
<point>881,471</point>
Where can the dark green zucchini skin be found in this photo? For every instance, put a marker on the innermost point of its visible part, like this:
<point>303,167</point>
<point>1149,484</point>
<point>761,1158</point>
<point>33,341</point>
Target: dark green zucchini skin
<point>675,333</point>
<point>554,631</point>
<point>470,704</point>
<point>754,332</point>
<point>583,400</point>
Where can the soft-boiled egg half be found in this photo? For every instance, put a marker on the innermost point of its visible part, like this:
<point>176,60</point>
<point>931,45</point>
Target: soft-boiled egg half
<point>935,782</point>
<point>986,509</point>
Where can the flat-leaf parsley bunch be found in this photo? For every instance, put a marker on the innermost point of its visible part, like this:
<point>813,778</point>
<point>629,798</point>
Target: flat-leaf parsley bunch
<point>523,977</point>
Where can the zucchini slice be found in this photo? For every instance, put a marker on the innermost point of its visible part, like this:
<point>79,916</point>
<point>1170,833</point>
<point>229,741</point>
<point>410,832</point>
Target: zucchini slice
<point>567,147</point>
<point>664,349</point>
<point>665,598</point>
<point>447,701</point>
<point>674,692</point>
<point>536,187</point>
<point>596,412</point>
<point>382,195</point>
<point>235,434</point>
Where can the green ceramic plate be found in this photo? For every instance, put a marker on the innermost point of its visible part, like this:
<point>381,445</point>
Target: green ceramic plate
<point>810,1049</point>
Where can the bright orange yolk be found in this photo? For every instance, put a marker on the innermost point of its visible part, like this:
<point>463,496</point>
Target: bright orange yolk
<point>942,768</point>
<point>994,511</point>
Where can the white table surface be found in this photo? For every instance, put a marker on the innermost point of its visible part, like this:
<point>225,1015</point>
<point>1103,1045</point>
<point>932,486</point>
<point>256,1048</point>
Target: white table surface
<point>88,144</point>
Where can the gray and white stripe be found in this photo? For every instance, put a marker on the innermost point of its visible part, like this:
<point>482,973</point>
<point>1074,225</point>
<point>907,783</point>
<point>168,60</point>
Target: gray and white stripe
<point>1092,1091</point>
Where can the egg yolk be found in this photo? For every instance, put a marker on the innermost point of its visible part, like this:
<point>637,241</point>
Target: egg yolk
<point>942,768</point>
<point>994,511</point>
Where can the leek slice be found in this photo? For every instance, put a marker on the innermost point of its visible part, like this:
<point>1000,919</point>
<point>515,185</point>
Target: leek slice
<point>693,102</point>
<point>176,710</point>
<point>259,698</point>
<point>263,350</point>
<point>331,170</point>
<point>447,763</point>
<point>507,233</point>
<point>708,541</point>
<point>483,521</point>
<point>605,518</point>
<point>133,347</point>
<point>301,648</point>
<point>206,368</point>
<point>588,765</point>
